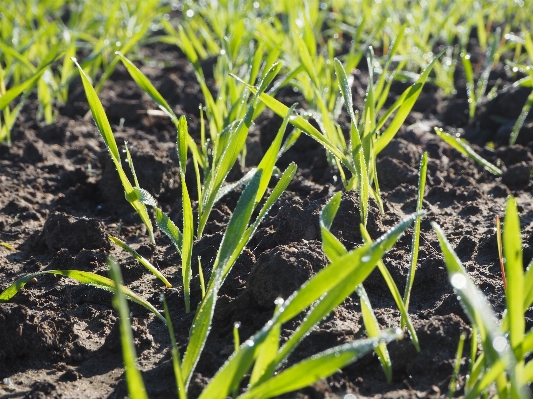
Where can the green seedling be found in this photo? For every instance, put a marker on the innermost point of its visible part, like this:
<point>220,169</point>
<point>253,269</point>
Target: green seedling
<point>367,140</point>
<point>132,195</point>
<point>333,248</point>
<point>525,110</point>
<point>322,293</point>
<point>503,360</point>
<point>34,33</point>
<point>416,233</point>
<point>456,366</point>
<point>476,92</point>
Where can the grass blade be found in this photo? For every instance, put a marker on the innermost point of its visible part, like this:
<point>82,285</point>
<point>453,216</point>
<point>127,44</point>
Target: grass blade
<point>416,233</point>
<point>495,345</point>
<point>188,218</point>
<point>467,151</point>
<point>143,261</point>
<point>265,363</point>
<point>456,366</point>
<point>318,366</point>
<point>134,380</point>
<point>372,328</point>
<point>27,85</point>
<point>395,292</point>
<point>514,272</point>
<point>407,104</point>
<point>281,109</point>
<point>82,277</point>
<point>174,351</point>
<point>105,130</point>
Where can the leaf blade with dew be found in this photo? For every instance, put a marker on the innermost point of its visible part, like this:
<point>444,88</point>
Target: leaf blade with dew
<point>134,380</point>
<point>238,223</point>
<point>512,248</point>
<point>470,87</point>
<point>198,335</point>
<point>495,345</point>
<point>467,151</point>
<point>395,292</point>
<point>269,159</point>
<point>228,377</point>
<point>331,285</point>
<point>264,365</point>
<point>523,115</point>
<point>144,83</point>
<point>82,277</point>
<point>329,277</point>
<point>281,110</point>
<point>107,134</point>
<point>332,246</point>
<point>232,149</point>
<point>405,108</point>
<point>372,328</point>
<point>231,240</point>
<point>346,92</point>
<point>143,261</point>
<point>318,366</point>
<point>188,218</point>
<point>416,233</point>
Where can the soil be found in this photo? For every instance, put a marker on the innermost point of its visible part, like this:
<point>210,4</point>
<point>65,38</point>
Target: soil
<point>61,198</point>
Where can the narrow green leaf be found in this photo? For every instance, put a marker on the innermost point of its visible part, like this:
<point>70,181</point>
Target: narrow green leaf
<point>27,85</point>
<point>198,335</point>
<point>146,86</point>
<point>187,241</point>
<point>395,292</point>
<point>175,353</point>
<point>456,366</point>
<point>264,365</point>
<point>269,159</point>
<point>299,122</point>
<point>495,345</point>
<point>514,272</point>
<point>82,277</point>
<point>318,366</point>
<point>372,328</point>
<point>105,130</point>
<point>416,233</point>
<point>345,273</point>
<point>405,108</point>
<point>134,380</point>
<point>467,151</point>
<point>143,261</point>
<point>238,223</point>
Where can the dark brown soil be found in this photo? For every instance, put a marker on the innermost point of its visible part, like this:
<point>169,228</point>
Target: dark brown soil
<point>60,198</point>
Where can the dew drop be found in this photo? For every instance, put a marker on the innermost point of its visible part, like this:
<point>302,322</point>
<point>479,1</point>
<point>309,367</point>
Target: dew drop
<point>189,13</point>
<point>458,281</point>
<point>279,301</point>
<point>499,343</point>
<point>237,324</point>
<point>250,343</point>
<point>365,258</point>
